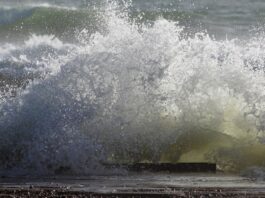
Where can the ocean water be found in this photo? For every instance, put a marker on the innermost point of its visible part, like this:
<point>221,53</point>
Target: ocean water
<point>84,83</point>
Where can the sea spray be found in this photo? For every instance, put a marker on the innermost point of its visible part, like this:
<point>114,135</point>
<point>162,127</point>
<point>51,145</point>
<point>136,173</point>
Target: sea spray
<point>133,92</point>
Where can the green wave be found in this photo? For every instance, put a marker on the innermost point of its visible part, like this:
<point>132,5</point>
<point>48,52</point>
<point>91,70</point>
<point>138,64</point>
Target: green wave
<point>62,23</point>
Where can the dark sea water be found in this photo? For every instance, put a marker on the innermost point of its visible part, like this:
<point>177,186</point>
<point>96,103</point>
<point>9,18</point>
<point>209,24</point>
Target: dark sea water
<point>83,83</point>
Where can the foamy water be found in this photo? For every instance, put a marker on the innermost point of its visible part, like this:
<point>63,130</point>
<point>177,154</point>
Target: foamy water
<point>132,92</point>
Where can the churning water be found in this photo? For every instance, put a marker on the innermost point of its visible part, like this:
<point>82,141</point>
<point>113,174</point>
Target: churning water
<point>144,81</point>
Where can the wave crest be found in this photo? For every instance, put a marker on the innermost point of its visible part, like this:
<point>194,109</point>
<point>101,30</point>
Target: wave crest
<point>134,93</point>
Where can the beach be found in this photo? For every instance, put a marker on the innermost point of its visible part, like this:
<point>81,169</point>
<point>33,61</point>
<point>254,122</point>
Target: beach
<point>134,185</point>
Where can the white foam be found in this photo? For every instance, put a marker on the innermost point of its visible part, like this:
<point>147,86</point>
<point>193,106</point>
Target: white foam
<point>129,93</point>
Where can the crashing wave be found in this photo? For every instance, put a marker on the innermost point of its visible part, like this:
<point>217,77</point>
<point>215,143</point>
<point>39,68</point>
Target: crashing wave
<point>131,93</point>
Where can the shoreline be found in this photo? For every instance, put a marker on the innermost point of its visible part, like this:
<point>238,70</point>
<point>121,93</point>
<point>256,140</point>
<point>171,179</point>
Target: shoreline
<point>176,192</point>
<point>134,185</point>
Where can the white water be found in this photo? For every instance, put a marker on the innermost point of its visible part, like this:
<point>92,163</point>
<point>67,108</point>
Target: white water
<point>128,95</point>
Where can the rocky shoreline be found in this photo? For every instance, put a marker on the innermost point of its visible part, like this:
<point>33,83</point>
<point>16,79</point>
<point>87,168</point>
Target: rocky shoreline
<point>133,185</point>
<point>173,192</point>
